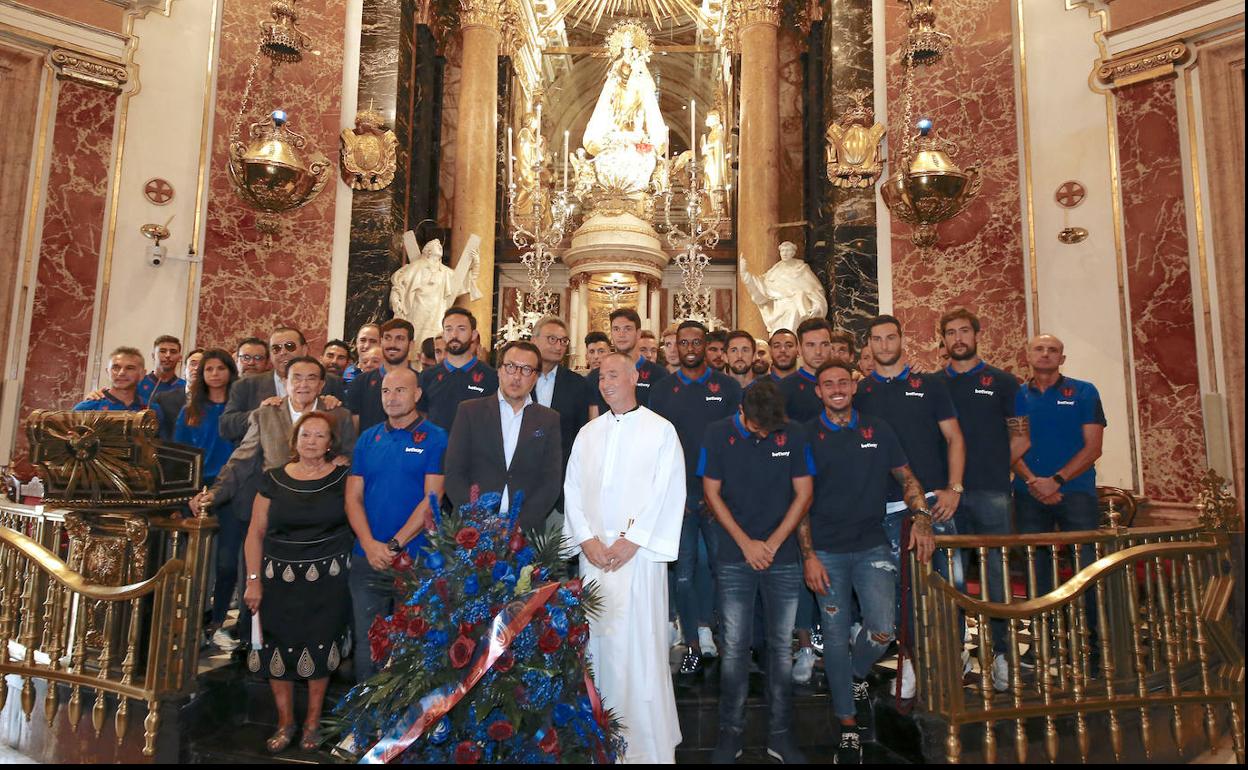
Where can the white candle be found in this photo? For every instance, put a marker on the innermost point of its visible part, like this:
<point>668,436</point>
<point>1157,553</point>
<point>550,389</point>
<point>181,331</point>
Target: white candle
<point>539,120</point>
<point>565,160</point>
<point>508,157</point>
<point>693,128</point>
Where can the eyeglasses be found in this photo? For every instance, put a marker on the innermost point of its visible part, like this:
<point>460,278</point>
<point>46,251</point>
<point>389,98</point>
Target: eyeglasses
<point>250,359</point>
<point>553,340</point>
<point>289,347</point>
<point>694,343</point>
<point>524,369</point>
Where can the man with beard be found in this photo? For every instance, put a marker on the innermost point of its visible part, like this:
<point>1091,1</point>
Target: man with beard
<point>783,349</point>
<point>740,357</point>
<point>814,335</point>
<point>691,399</point>
<point>625,333</point>
<point>623,498</point>
<point>125,369</point>
<point>994,425</point>
<point>716,349</point>
<point>251,356</point>
<point>336,356</point>
<point>461,376</point>
<point>364,397</point>
<point>762,357</point>
<point>918,408</point>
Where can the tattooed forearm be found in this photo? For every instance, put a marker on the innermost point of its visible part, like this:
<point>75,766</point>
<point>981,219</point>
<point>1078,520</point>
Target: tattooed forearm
<point>1019,427</point>
<point>804,540</point>
<point>911,489</point>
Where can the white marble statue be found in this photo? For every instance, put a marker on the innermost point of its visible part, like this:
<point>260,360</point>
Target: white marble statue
<point>788,293</point>
<point>424,288</point>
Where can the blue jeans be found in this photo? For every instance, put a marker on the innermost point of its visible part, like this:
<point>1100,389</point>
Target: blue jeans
<point>892,530</point>
<point>872,576</point>
<point>372,594</point>
<point>690,603</point>
<point>1077,511</point>
<point>987,512</point>
<point>230,533</point>
<point>738,585</point>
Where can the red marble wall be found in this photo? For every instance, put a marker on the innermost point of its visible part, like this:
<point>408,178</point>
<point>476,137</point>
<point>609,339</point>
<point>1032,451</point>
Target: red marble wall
<point>253,282</point>
<point>1163,332</point>
<point>978,261</point>
<point>69,247</point>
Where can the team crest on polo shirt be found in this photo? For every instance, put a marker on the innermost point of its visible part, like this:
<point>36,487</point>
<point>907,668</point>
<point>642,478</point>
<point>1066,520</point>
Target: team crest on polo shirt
<point>801,386</point>
<point>985,380</point>
<point>477,377</point>
<point>732,440</point>
<point>868,433</point>
<point>822,435</point>
<point>643,374</point>
<point>781,439</point>
<point>440,375</point>
<point>713,387</point>
<point>914,382</point>
<point>1068,391</point>
<point>418,437</point>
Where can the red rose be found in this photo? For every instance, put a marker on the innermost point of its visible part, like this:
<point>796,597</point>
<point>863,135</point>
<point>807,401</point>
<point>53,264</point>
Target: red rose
<point>504,662</point>
<point>500,730</point>
<point>485,560</point>
<point>379,639</point>
<point>442,588</point>
<point>467,753</point>
<point>466,628</point>
<point>402,561</point>
<point>516,542</point>
<point>467,538</point>
<point>461,651</point>
<point>549,641</point>
<point>549,742</point>
<point>540,612</point>
<point>574,585</point>
<point>417,626</point>
<point>577,634</point>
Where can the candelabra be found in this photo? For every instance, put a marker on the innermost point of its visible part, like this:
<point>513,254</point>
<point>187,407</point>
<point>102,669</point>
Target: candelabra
<point>536,233</point>
<point>701,232</point>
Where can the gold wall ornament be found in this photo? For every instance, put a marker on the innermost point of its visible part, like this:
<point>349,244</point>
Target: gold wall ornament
<point>1137,66</point>
<point>932,189</point>
<point>270,172</point>
<point>1072,235</point>
<point>368,152</point>
<point>759,12</point>
<point>97,73</point>
<point>1215,505</point>
<point>660,11</point>
<point>281,39</point>
<point>924,43</point>
<point>852,149</point>
<point>479,13</point>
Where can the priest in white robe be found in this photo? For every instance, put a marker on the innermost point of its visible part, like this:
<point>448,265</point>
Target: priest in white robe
<point>624,500</point>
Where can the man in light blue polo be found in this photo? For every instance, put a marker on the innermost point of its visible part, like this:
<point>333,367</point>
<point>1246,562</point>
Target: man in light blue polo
<point>396,468</point>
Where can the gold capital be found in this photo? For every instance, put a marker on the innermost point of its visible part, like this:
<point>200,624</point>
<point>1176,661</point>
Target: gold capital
<point>97,73</point>
<point>479,13</point>
<point>1138,66</point>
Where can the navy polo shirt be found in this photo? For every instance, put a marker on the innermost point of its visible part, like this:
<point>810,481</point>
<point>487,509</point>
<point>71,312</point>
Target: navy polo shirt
<point>393,463</point>
<point>364,398</point>
<point>149,386</point>
<point>985,397</point>
<point>757,476</point>
<point>1057,417</point>
<point>691,406</point>
<point>648,376</point>
<point>852,466</point>
<point>111,403</point>
<point>443,387</point>
<point>913,405</point>
<point>800,402</point>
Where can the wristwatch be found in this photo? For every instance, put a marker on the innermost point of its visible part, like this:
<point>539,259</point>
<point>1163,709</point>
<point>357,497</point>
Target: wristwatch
<point>393,545</point>
<point>1059,478</point>
<point>253,576</point>
<point>923,512</point>
<point>957,488</point>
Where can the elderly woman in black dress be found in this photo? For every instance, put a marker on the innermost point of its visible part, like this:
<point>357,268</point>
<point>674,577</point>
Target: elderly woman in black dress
<point>297,550</point>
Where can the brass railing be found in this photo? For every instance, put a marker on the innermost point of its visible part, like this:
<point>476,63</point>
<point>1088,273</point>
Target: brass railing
<point>1158,600</point>
<point>136,640</point>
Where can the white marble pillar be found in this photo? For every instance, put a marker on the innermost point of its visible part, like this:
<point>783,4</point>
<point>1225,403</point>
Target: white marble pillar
<point>656,307</point>
<point>643,301</point>
<point>582,317</point>
<point>575,332</point>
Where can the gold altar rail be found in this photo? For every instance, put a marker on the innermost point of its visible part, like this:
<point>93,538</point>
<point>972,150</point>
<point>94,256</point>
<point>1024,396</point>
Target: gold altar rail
<point>1137,619</point>
<point>137,641</point>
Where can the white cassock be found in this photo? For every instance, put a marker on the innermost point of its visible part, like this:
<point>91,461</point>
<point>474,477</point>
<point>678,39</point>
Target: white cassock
<point>626,476</point>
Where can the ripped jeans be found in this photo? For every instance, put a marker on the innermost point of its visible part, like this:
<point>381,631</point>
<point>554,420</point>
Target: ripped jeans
<point>872,575</point>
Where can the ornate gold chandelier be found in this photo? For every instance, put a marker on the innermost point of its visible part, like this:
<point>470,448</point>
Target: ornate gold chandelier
<point>926,187</point>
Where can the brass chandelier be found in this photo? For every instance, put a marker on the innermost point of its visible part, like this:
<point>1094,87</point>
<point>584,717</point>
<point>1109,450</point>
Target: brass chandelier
<point>926,186</point>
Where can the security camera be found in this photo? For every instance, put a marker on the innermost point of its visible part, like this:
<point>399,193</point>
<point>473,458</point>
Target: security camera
<point>155,255</point>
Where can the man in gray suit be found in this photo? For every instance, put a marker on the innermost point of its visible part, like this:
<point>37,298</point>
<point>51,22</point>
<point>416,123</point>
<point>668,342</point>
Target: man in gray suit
<point>285,344</point>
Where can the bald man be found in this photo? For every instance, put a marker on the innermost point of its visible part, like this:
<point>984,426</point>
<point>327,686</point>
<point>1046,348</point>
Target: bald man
<point>1055,481</point>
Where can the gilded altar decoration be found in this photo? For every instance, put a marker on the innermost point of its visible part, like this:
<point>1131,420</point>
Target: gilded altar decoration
<point>109,458</point>
<point>281,39</point>
<point>270,171</point>
<point>96,73</point>
<point>852,149</point>
<point>924,43</point>
<point>368,152</point>
<point>661,12</point>
<point>931,189</point>
<point>1215,505</point>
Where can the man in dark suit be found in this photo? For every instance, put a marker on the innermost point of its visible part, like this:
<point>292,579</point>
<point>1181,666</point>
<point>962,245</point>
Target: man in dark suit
<point>507,444</point>
<point>285,344</point>
<point>558,387</point>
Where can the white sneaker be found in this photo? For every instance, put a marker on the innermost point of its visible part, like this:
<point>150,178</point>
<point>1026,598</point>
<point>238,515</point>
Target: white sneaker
<point>706,640</point>
<point>803,665</point>
<point>674,638</point>
<point>966,662</point>
<point>1000,673</point>
<point>222,639</point>
<point>909,683</point>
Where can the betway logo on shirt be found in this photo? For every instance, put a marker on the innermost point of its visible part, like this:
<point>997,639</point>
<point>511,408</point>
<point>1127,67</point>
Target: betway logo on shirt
<point>983,392</point>
<point>414,450</point>
<point>477,388</point>
<point>871,445</point>
<point>714,398</point>
<point>915,393</point>
<point>1065,403</point>
<point>779,454</point>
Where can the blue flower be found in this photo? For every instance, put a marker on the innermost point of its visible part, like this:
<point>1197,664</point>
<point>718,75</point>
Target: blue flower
<point>502,571</point>
<point>435,560</point>
<point>563,714</point>
<point>437,637</point>
<point>471,586</point>
<point>441,731</point>
<point>559,620</point>
<point>525,556</point>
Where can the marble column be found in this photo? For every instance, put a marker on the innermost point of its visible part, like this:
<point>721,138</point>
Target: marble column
<point>582,316</point>
<point>656,307</point>
<point>473,210</point>
<point>758,197</point>
<point>643,301</point>
<point>575,333</point>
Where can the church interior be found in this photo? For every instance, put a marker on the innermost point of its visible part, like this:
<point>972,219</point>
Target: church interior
<point>216,169</point>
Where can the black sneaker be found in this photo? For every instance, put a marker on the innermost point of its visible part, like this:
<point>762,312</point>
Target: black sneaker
<point>691,663</point>
<point>780,746</point>
<point>850,750</point>
<point>864,714</point>
<point>727,749</point>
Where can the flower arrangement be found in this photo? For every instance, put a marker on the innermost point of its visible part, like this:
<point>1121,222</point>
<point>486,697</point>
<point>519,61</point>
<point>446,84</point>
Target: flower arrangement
<point>484,657</point>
